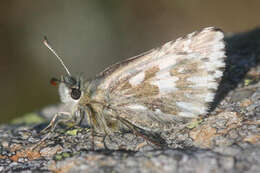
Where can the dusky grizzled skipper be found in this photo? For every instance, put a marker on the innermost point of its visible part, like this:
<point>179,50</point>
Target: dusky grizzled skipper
<point>149,91</point>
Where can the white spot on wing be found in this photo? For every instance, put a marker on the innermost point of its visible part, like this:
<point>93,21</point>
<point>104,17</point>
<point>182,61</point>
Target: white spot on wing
<point>200,79</point>
<point>158,111</point>
<point>137,79</point>
<point>186,46</point>
<point>214,65</point>
<point>191,107</point>
<point>187,114</point>
<point>163,75</point>
<point>218,74</point>
<point>165,82</point>
<point>137,107</point>
<point>205,81</point>
<point>181,70</point>
<point>167,61</point>
<point>209,97</point>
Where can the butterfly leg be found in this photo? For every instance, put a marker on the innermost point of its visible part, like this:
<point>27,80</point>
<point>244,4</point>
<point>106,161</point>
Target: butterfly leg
<point>78,117</point>
<point>86,112</point>
<point>92,139</point>
<point>92,131</point>
<point>59,117</point>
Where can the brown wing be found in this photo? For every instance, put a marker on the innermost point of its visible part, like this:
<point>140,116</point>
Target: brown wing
<point>178,79</point>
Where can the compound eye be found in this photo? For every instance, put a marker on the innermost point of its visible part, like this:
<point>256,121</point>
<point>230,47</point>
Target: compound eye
<point>75,94</point>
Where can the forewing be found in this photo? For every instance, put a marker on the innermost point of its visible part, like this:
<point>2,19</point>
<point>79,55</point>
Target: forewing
<point>178,79</point>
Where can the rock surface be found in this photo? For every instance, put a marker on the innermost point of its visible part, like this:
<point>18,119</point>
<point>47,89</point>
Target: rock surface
<point>227,140</point>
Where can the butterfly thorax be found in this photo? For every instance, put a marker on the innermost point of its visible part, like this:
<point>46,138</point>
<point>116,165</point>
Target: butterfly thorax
<point>95,106</point>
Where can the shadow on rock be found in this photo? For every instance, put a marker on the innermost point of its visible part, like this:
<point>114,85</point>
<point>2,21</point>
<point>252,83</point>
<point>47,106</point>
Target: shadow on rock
<point>243,53</point>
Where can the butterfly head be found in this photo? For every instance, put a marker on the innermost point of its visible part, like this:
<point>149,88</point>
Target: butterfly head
<point>70,88</point>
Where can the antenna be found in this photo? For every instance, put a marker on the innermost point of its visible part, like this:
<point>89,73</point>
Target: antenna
<point>47,44</point>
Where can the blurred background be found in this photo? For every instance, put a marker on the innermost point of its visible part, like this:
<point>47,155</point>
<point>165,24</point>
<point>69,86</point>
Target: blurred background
<point>93,34</point>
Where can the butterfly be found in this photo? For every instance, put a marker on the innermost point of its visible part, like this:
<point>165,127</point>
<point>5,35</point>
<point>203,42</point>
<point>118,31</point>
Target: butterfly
<point>150,91</point>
